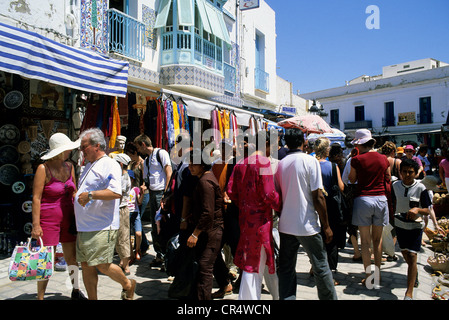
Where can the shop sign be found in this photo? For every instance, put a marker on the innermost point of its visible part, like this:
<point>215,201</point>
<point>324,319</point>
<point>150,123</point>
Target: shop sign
<point>291,110</point>
<point>406,118</point>
<point>249,4</point>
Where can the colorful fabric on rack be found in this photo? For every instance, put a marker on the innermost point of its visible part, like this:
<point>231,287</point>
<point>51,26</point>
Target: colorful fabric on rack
<point>252,125</point>
<point>175,118</point>
<point>160,120</point>
<point>215,126</point>
<point>116,127</point>
<point>220,124</point>
<point>234,128</point>
<point>170,123</point>
<point>186,119</point>
<point>226,124</point>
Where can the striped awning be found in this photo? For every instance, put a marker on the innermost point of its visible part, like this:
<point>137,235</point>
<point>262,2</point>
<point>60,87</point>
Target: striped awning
<point>34,56</point>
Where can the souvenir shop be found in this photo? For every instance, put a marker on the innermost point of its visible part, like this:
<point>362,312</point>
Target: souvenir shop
<point>48,87</point>
<point>33,110</point>
<point>44,86</point>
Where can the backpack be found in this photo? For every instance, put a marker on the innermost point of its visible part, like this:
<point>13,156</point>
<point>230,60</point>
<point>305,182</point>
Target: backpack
<point>338,200</point>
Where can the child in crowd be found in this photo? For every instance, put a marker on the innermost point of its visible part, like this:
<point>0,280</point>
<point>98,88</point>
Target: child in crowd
<point>411,201</point>
<point>134,201</point>
<point>123,240</point>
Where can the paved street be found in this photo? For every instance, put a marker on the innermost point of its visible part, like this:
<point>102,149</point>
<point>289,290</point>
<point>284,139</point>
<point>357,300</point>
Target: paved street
<point>153,284</point>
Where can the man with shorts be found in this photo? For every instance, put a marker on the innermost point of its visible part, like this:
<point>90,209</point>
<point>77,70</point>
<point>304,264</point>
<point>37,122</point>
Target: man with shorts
<point>97,215</point>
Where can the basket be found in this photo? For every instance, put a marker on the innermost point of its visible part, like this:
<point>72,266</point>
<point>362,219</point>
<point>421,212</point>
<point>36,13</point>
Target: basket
<point>439,246</point>
<point>439,263</point>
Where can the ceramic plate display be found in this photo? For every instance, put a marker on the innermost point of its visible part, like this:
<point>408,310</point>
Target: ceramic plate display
<point>9,174</point>
<point>27,228</point>
<point>27,206</point>
<point>8,154</point>
<point>13,99</point>
<point>18,187</point>
<point>9,134</point>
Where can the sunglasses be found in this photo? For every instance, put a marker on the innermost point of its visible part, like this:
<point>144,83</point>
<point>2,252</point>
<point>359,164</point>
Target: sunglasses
<point>408,151</point>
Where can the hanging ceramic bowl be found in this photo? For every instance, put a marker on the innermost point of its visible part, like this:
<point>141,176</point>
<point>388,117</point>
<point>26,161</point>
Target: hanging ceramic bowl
<point>8,154</point>
<point>13,99</point>
<point>18,187</point>
<point>9,134</point>
<point>9,174</point>
<point>27,206</point>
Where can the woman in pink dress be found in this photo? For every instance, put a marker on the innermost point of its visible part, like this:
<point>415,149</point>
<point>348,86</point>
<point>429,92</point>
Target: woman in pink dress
<point>251,187</point>
<point>53,213</point>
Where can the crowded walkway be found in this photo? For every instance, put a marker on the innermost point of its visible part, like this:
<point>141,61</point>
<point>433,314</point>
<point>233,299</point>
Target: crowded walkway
<point>152,284</point>
<point>292,241</point>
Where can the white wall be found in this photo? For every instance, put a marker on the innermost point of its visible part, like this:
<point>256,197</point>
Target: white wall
<point>263,20</point>
<point>46,17</point>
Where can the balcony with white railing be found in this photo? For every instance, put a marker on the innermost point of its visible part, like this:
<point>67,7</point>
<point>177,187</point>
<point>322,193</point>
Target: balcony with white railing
<point>126,35</point>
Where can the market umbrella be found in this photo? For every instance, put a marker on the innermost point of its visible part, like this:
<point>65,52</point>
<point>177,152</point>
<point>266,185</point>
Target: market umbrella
<point>308,124</point>
<point>336,136</point>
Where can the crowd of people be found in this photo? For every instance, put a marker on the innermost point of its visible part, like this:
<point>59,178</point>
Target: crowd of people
<point>246,206</point>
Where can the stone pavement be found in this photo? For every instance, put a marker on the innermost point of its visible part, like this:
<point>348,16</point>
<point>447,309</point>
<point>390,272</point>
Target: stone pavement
<point>153,284</point>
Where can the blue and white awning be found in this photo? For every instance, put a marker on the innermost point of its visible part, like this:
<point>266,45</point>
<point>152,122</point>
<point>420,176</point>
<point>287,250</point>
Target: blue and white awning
<point>34,56</point>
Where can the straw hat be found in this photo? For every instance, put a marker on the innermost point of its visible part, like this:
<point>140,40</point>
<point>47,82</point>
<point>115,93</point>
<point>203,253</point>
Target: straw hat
<point>59,143</point>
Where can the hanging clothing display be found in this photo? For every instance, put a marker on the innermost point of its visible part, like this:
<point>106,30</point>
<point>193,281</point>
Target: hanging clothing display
<point>115,128</point>
<point>253,125</point>
<point>233,125</point>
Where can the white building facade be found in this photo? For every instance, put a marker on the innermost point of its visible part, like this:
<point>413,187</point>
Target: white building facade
<point>209,51</point>
<point>409,102</point>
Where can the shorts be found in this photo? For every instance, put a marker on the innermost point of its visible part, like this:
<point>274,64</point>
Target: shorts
<point>135,222</point>
<point>123,245</point>
<point>96,247</point>
<point>370,211</point>
<point>409,240</point>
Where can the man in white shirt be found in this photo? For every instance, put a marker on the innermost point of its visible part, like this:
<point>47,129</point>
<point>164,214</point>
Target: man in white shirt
<point>157,171</point>
<point>303,219</point>
<point>97,215</point>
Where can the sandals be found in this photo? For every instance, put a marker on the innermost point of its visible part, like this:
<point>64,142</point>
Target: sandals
<point>129,294</point>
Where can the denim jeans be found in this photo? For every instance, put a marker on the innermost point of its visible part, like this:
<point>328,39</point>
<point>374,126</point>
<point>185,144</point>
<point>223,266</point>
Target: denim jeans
<point>155,203</point>
<point>314,247</point>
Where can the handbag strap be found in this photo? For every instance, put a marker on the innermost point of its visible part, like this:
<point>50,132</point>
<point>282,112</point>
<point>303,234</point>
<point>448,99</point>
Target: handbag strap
<point>29,243</point>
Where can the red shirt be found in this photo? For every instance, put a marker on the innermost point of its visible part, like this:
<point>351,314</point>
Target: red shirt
<point>371,167</point>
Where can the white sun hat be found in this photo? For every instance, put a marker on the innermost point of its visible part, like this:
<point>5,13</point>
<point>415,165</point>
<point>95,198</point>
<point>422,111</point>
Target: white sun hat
<point>362,136</point>
<point>123,158</point>
<point>59,143</point>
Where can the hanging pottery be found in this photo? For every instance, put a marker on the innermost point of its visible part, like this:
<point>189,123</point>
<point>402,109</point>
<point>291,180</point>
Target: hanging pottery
<point>9,134</point>
<point>47,127</point>
<point>13,99</point>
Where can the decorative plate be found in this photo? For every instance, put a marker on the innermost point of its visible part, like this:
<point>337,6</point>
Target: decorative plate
<point>18,187</point>
<point>24,147</point>
<point>9,174</point>
<point>9,134</point>
<point>8,154</point>
<point>13,99</point>
<point>27,227</point>
<point>27,206</point>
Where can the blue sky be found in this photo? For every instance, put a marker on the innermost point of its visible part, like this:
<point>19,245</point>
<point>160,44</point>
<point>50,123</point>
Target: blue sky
<point>323,43</point>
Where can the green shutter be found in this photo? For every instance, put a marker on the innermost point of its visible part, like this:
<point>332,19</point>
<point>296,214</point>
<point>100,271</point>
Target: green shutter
<point>203,14</point>
<point>185,13</point>
<point>162,14</point>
